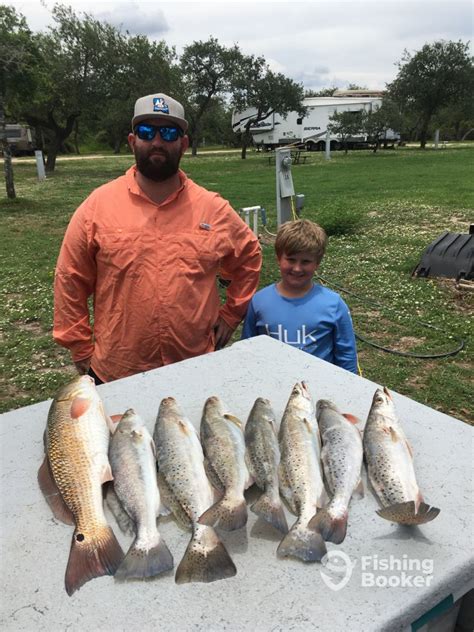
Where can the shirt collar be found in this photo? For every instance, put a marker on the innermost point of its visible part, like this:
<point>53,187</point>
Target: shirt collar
<point>133,187</point>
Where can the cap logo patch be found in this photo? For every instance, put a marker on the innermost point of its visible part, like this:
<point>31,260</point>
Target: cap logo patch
<point>159,105</point>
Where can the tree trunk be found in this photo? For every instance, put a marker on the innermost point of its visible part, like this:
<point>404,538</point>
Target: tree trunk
<point>8,168</point>
<point>7,155</point>
<point>117,145</point>
<point>53,151</point>
<point>194,146</point>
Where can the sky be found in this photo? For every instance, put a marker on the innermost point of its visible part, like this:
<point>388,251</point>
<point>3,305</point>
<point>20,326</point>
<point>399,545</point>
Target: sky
<point>319,44</point>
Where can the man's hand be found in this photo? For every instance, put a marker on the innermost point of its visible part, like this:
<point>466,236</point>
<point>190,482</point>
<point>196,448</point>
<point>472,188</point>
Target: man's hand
<point>82,366</point>
<point>223,333</point>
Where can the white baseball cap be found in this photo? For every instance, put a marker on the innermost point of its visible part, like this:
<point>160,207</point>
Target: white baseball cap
<point>159,106</point>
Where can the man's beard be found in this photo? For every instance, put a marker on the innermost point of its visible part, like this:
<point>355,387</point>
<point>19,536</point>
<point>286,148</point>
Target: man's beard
<point>158,172</point>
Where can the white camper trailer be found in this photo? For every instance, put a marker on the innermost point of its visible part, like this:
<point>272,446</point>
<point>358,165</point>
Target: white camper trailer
<point>311,130</point>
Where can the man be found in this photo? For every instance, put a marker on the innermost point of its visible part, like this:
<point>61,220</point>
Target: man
<point>148,246</point>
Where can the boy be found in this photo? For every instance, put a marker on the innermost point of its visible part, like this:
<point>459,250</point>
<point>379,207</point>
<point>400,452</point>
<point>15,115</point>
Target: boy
<point>297,311</point>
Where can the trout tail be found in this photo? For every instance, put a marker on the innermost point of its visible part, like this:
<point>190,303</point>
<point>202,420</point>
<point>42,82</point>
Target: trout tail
<point>229,513</point>
<point>206,558</point>
<point>405,513</point>
<point>331,525</point>
<point>304,542</point>
<point>143,562</point>
<point>272,511</point>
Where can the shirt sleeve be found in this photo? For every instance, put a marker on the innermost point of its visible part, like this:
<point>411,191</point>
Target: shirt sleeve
<point>345,350</point>
<point>242,267</point>
<point>249,329</point>
<point>74,282</point>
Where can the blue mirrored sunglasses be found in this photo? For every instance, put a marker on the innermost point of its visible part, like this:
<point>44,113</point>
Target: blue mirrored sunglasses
<point>168,133</point>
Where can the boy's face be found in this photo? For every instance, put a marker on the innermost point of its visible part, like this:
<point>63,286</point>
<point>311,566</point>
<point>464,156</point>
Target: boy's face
<point>297,271</point>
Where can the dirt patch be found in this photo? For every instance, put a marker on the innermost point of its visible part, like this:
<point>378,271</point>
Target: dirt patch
<point>408,342</point>
<point>31,326</point>
<point>462,298</point>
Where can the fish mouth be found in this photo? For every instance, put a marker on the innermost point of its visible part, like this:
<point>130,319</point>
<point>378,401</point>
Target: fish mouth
<point>387,393</point>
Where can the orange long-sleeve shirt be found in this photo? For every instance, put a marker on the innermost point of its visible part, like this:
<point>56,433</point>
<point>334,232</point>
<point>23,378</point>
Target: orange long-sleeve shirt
<point>152,271</point>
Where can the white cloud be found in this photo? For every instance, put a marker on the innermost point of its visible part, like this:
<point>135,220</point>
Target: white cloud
<point>319,43</point>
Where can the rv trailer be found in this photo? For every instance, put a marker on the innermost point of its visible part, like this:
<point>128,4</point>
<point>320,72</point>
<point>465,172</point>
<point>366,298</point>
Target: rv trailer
<point>310,130</point>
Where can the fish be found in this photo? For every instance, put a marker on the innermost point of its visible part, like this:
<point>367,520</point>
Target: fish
<point>132,457</point>
<point>186,491</point>
<point>223,443</point>
<point>300,474</point>
<point>390,467</point>
<point>341,456</point>
<point>263,458</point>
<point>75,467</point>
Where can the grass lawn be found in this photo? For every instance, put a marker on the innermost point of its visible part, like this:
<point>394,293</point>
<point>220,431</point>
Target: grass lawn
<point>381,211</point>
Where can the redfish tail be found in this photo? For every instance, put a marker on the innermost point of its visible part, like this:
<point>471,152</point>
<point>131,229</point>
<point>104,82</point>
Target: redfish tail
<point>331,527</point>
<point>272,511</point>
<point>228,513</point>
<point>92,557</point>
<point>304,542</point>
<point>206,559</point>
<point>405,513</point>
<point>140,563</point>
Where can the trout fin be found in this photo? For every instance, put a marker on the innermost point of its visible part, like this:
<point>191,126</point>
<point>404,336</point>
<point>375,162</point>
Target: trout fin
<point>205,559</point>
<point>229,513</point>
<point>271,511</point>
<point>351,418</point>
<point>405,513</point>
<point>122,518</point>
<point>52,494</point>
<point>359,490</point>
<point>213,477</point>
<point>140,563</point>
<point>304,542</point>
<point>332,528</point>
<point>92,557</point>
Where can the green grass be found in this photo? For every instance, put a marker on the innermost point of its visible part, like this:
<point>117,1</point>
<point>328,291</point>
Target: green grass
<point>381,211</point>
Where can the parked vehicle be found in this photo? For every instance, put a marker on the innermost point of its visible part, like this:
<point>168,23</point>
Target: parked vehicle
<point>310,130</point>
<point>21,139</point>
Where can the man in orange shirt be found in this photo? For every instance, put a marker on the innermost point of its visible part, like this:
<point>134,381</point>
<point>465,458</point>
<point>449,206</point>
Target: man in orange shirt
<point>148,247</point>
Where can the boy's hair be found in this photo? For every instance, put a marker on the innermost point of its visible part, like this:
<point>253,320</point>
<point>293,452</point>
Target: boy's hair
<point>302,235</point>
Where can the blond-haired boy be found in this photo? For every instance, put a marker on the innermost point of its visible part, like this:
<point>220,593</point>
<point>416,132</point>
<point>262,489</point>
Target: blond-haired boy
<point>297,311</point>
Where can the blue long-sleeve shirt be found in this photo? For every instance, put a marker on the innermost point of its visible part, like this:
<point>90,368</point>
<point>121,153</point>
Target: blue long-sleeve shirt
<point>318,323</point>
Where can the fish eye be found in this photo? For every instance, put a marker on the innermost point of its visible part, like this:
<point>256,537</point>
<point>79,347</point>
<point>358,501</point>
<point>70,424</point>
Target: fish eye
<point>80,537</point>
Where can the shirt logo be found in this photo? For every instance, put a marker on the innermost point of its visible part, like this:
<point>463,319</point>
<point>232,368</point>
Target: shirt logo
<point>302,337</point>
<point>159,105</point>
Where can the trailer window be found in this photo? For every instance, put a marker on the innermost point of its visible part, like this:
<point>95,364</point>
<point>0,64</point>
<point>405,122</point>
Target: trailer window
<point>299,121</point>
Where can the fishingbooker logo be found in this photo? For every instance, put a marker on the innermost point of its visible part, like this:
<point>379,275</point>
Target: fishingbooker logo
<point>337,569</point>
<point>404,572</point>
<point>375,571</point>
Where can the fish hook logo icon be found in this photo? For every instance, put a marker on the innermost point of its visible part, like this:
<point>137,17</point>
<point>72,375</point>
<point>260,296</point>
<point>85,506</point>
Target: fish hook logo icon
<point>340,564</point>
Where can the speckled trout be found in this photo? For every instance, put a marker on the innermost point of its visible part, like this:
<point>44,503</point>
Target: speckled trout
<point>390,465</point>
<point>71,477</point>
<point>262,458</point>
<point>133,460</point>
<point>341,456</point>
<point>223,444</point>
<point>186,491</point>
<point>301,481</point>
